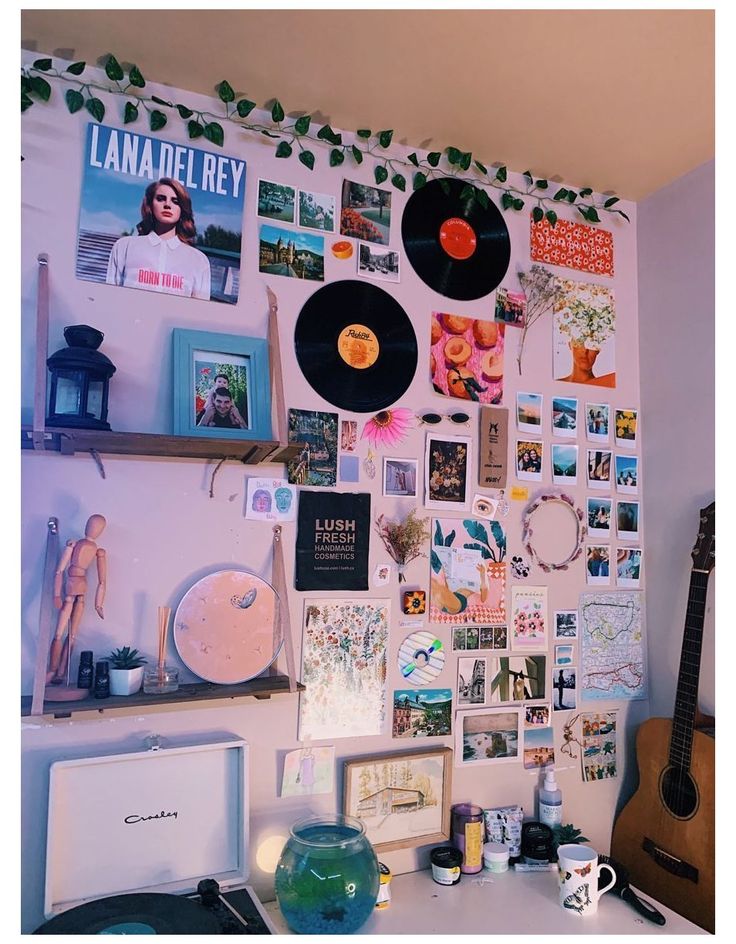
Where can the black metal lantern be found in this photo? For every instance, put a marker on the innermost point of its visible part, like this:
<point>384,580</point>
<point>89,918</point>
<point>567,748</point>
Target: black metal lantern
<point>80,376</point>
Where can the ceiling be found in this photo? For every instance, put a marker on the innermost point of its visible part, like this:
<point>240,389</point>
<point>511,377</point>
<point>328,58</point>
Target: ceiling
<point>619,100</point>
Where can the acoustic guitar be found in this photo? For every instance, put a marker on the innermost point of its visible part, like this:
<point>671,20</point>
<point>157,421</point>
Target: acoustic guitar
<point>665,835</point>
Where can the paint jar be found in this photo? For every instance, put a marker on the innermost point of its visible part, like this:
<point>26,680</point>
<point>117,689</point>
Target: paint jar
<point>446,862</point>
<point>468,832</point>
<point>496,857</point>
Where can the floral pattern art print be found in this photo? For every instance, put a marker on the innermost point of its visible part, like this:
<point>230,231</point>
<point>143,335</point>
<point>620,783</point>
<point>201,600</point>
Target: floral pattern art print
<point>343,668</point>
<point>529,618</point>
<point>575,245</point>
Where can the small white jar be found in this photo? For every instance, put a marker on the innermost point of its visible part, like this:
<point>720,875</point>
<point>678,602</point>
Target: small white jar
<point>496,857</point>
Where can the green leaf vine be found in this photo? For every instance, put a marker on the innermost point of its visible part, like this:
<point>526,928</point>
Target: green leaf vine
<point>299,137</point>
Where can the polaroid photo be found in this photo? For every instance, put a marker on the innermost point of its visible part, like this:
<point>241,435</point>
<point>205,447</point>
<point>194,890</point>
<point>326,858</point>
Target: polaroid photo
<point>627,520</point>
<point>400,477</point>
<point>626,422</point>
<point>518,678</point>
<point>627,474</point>
<point>566,624</point>
<point>500,637</point>
<point>447,471</point>
<point>597,428</point>
<point>597,566</point>
<point>484,507</point>
<point>486,637</point>
<point>459,638</point>
<point>599,469</point>
<point>564,655</point>
<point>291,253</point>
<point>529,413</point>
<point>472,638</point>
<point>317,211</point>
<point>599,517</point>
<point>565,417</point>
<point>564,683</point>
<point>564,464</point>
<point>471,681</point>
<point>539,748</point>
<point>276,201</point>
<point>365,212</point>
<point>537,716</point>
<point>628,567</point>
<point>348,435</point>
<point>510,308</point>
<point>529,460</point>
<point>375,262</point>
<point>487,736</point>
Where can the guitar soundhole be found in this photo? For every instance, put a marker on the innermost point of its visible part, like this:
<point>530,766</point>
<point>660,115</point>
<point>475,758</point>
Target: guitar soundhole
<point>679,792</point>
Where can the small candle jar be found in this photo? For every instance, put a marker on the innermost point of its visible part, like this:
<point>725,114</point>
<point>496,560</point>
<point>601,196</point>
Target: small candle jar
<point>467,835</point>
<point>496,857</point>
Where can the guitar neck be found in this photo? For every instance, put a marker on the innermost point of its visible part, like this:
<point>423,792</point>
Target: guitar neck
<point>686,700</point>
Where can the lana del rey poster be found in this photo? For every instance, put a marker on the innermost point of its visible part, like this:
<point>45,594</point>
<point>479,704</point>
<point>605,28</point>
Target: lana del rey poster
<point>160,216</point>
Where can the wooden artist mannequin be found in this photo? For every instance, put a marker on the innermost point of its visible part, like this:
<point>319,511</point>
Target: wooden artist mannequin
<point>76,560</point>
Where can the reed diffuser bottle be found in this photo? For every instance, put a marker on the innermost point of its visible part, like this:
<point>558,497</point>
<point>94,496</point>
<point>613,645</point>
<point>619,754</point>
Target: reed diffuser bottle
<point>161,679</point>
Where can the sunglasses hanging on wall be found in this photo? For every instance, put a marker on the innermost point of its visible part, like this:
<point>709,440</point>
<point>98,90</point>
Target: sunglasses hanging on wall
<point>433,418</point>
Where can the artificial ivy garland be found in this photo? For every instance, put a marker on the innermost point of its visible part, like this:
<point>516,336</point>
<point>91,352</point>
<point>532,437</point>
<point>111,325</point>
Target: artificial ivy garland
<point>292,136</point>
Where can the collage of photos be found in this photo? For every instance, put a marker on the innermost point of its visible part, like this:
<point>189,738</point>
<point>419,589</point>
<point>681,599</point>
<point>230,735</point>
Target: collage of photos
<point>364,213</point>
<point>468,638</point>
<point>599,745</point>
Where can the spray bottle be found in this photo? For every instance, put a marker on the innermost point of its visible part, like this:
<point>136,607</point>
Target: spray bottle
<point>550,800</point>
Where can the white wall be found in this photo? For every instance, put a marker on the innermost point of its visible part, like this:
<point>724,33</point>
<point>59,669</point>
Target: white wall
<point>676,238</point>
<point>164,532</point>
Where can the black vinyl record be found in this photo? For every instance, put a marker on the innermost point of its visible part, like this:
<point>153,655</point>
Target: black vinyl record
<point>145,913</point>
<point>458,247</point>
<point>356,346</point>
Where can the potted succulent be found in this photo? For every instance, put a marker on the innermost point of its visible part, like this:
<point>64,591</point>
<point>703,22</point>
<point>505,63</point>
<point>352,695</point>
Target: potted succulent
<point>126,671</point>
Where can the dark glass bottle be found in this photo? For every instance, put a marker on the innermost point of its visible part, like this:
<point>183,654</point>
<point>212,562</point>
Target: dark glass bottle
<point>86,673</point>
<point>102,680</point>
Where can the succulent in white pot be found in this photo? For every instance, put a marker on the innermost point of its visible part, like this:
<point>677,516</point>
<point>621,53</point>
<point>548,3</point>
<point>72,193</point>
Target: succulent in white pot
<point>126,671</point>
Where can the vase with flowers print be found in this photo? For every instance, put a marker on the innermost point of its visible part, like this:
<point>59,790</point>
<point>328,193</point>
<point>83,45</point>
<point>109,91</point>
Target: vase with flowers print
<point>585,325</point>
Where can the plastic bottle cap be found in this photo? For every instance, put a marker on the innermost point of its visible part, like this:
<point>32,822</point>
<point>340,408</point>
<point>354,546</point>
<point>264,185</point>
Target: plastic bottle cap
<point>549,780</point>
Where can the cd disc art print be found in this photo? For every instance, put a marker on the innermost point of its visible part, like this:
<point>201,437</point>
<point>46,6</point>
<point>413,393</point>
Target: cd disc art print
<point>356,346</point>
<point>456,245</point>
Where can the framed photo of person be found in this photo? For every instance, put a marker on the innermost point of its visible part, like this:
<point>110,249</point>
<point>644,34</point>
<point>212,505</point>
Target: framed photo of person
<point>221,386</point>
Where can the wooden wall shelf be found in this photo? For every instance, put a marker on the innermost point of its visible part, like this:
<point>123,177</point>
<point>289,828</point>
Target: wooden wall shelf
<point>195,695</point>
<point>70,441</point>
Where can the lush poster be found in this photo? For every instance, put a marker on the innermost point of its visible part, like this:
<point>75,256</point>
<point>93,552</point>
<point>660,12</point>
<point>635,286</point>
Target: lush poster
<point>332,539</point>
<point>160,216</point>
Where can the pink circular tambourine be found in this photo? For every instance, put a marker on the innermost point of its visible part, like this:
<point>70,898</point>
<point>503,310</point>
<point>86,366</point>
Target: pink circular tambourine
<point>226,628</point>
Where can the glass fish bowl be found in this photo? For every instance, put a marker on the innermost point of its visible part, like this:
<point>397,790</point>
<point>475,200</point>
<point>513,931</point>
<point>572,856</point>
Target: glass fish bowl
<point>327,877</point>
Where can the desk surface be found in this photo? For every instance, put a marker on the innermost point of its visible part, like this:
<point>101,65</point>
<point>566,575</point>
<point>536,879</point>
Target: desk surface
<point>509,903</point>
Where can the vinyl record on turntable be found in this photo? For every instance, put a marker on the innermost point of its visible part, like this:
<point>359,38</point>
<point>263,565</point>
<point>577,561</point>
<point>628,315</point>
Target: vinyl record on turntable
<point>140,913</point>
<point>458,247</point>
<point>356,346</point>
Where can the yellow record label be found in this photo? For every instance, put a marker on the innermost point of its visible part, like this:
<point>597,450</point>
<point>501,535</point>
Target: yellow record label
<point>358,346</point>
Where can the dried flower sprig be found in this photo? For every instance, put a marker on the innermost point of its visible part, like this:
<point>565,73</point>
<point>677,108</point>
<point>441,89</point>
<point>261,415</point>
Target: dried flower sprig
<point>405,539</point>
<point>541,288</point>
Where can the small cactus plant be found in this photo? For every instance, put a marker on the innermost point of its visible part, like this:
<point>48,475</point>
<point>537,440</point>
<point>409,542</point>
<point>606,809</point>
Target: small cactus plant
<point>126,658</point>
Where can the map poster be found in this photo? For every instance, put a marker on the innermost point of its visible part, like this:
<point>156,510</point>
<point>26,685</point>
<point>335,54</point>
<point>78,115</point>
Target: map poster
<point>612,646</point>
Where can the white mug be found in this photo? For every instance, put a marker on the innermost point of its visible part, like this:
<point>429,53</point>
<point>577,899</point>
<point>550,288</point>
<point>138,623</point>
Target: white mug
<point>579,870</point>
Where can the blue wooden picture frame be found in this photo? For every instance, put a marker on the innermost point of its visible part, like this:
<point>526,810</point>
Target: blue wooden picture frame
<point>246,356</point>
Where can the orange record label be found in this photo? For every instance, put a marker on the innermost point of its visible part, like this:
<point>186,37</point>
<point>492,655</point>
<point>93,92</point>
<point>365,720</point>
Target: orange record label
<point>458,238</point>
<point>358,346</point>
